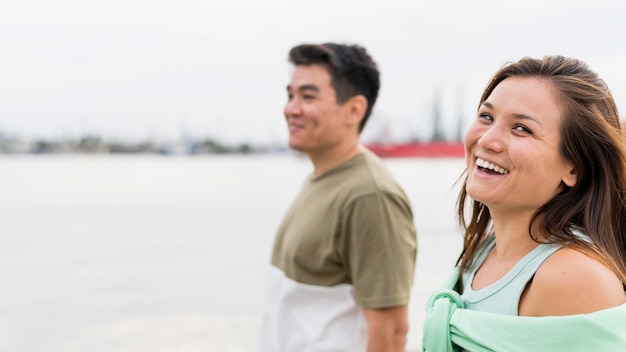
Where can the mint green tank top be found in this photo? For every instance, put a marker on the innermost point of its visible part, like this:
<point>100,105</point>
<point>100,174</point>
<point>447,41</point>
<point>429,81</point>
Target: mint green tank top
<point>502,296</point>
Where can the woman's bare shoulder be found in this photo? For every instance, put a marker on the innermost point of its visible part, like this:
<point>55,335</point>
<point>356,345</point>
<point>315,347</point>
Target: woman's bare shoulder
<point>571,282</point>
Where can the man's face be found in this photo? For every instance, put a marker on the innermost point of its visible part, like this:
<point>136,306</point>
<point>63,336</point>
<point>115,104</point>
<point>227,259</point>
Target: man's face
<point>316,122</point>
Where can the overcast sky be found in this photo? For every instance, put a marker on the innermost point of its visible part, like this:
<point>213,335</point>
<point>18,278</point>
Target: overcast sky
<point>135,69</point>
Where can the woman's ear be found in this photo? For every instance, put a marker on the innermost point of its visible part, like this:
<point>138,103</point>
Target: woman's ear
<point>571,177</point>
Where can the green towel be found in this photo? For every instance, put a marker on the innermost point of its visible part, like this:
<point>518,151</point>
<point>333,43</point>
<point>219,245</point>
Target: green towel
<point>448,327</point>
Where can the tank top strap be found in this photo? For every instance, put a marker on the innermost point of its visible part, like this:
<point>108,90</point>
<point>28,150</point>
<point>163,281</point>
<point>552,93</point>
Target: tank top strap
<point>503,295</point>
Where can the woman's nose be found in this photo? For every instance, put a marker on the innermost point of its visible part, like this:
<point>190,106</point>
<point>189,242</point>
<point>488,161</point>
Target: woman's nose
<point>492,139</point>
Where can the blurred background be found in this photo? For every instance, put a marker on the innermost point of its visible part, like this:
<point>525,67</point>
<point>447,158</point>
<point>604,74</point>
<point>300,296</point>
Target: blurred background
<point>143,159</point>
<point>164,71</point>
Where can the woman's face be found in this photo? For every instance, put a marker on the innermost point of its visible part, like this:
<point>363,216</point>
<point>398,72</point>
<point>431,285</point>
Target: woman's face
<point>512,148</point>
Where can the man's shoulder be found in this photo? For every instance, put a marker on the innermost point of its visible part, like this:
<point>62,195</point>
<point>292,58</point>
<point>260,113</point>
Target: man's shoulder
<point>375,174</point>
<point>361,177</point>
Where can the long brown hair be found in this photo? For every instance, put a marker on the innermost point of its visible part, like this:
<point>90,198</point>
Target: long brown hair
<point>592,141</point>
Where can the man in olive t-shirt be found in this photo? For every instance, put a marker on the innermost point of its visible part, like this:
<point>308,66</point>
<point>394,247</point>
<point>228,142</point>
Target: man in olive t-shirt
<point>344,256</point>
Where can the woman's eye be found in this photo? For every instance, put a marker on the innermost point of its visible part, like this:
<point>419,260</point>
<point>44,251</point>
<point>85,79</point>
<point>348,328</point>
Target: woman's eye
<point>485,117</point>
<point>521,128</point>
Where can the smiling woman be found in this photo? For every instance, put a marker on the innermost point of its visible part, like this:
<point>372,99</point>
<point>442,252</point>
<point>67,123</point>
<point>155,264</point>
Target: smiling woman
<point>546,179</point>
<point>516,134</point>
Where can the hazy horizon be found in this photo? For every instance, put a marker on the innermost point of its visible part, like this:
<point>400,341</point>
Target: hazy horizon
<point>138,69</point>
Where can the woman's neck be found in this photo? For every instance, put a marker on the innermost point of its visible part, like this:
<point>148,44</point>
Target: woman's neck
<point>513,240</point>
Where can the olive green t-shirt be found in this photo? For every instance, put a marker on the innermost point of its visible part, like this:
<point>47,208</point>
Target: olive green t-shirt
<point>351,225</point>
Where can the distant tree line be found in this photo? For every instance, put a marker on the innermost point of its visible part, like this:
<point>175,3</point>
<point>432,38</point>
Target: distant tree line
<point>93,144</point>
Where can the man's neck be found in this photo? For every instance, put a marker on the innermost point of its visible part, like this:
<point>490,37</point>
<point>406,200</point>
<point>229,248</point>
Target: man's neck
<point>325,161</point>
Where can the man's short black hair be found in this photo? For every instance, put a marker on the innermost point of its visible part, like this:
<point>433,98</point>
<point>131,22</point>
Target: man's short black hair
<point>352,70</point>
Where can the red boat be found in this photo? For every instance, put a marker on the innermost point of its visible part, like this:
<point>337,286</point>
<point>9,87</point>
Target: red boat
<point>437,146</point>
<point>435,149</point>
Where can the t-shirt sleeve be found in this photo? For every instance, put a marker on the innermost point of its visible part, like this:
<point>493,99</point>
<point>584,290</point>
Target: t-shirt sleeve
<point>379,249</point>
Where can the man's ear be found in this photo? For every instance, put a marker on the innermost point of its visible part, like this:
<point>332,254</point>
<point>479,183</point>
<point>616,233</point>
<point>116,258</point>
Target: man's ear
<point>357,106</point>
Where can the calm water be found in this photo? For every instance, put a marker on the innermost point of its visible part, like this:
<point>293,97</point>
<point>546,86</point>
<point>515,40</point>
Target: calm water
<point>148,253</point>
